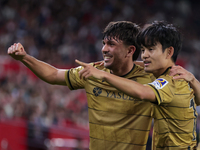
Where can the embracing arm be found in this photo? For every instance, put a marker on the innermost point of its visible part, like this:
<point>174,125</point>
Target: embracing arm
<point>131,88</point>
<point>182,73</point>
<point>41,69</point>
<point>127,86</point>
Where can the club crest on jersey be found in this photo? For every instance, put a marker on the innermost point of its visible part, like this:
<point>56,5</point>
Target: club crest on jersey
<point>97,91</point>
<point>159,83</point>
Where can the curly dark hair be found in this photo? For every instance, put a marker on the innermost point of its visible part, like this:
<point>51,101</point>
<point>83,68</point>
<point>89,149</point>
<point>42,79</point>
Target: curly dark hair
<point>125,31</point>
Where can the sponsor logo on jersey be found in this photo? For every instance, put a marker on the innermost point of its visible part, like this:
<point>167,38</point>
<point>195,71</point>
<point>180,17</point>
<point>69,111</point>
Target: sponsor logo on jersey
<point>159,83</point>
<point>97,91</point>
<point>118,95</point>
<point>111,94</point>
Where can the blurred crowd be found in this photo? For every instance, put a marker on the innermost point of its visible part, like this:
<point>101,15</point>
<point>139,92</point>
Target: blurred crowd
<point>60,31</point>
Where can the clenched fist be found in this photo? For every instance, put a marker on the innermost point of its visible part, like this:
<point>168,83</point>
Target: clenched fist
<point>17,51</point>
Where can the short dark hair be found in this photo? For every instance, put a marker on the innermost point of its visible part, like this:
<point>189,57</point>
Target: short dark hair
<point>125,31</point>
<point>161,31</point>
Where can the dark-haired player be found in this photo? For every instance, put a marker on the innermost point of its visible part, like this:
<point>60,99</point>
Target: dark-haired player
<point>175,110</point>
<point>116,120</point>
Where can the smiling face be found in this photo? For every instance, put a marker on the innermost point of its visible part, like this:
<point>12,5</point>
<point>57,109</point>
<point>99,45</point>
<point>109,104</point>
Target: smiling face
<point>155,60</point>
<point>114,53</point>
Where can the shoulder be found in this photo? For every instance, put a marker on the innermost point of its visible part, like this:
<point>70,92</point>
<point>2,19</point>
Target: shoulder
<point>164,80</point>
<point>138,70</point>
<point>174,81</point>
<point>139,75</point>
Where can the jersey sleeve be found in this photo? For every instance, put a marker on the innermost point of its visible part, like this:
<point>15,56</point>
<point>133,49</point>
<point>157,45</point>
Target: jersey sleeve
<point>73,80</point>
<point>164,89</point>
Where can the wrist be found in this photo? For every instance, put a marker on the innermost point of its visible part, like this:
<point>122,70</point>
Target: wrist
<point>194,82</point>
<point>105,76</point>
<point>24,58</point>
<point>193,79</point>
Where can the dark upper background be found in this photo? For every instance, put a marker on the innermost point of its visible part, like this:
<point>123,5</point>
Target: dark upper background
<point>58,31</point>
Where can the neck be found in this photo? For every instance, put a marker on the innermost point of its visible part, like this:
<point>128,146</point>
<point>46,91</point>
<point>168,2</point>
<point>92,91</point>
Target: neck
<point>123,69</point>
<point>159,72</point>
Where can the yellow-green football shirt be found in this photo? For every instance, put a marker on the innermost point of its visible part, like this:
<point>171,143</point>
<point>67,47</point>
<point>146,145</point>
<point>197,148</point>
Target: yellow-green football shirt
<point>175,115</point>
<point>116,120</point>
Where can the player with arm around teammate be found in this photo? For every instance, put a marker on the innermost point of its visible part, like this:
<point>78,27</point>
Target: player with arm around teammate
<point>179,72</point>
<point>175,110</point>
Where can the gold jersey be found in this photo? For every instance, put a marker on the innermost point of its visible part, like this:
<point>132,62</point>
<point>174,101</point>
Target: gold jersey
<point>116,120</point>
<point>175,115</point>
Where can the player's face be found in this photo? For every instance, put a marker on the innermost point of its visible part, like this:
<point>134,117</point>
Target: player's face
<point>155,60</point>
<point>114,52</point>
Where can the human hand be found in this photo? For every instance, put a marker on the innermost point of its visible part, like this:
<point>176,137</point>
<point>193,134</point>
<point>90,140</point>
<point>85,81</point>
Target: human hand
<point>100,63</point>
<point>17,51</point>
<point>89,71</point>
<point>179,72</point>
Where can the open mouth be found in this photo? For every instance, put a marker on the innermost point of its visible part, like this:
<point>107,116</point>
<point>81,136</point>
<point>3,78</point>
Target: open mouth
<point>146,63</point>
<point>107,58</point>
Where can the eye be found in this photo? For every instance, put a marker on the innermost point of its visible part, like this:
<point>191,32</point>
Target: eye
<point>142,50</point>
<point>151,48</point>
<point>112,44</point>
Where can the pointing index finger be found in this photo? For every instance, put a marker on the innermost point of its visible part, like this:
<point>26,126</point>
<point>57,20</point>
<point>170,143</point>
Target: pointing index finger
<point>80,63</point>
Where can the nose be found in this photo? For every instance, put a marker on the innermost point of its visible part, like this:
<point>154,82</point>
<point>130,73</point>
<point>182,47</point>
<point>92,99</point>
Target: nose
<point>145,54</point>
<point>104,49</point>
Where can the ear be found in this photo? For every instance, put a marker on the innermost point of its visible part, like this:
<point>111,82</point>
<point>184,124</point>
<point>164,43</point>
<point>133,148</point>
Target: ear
<point>170,52</point>
<point>130,51</point>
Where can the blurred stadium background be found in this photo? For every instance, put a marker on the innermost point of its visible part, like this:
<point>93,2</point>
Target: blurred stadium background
<point>38,116</point>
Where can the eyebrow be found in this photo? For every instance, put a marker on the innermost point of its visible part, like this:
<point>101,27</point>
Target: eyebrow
<point>141,47</point>
<point>110,40</point>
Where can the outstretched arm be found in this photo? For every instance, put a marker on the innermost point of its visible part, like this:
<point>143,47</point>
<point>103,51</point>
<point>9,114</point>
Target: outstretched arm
<point>127,86</point>
<point>182,73</point>
<point>41,69</point>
